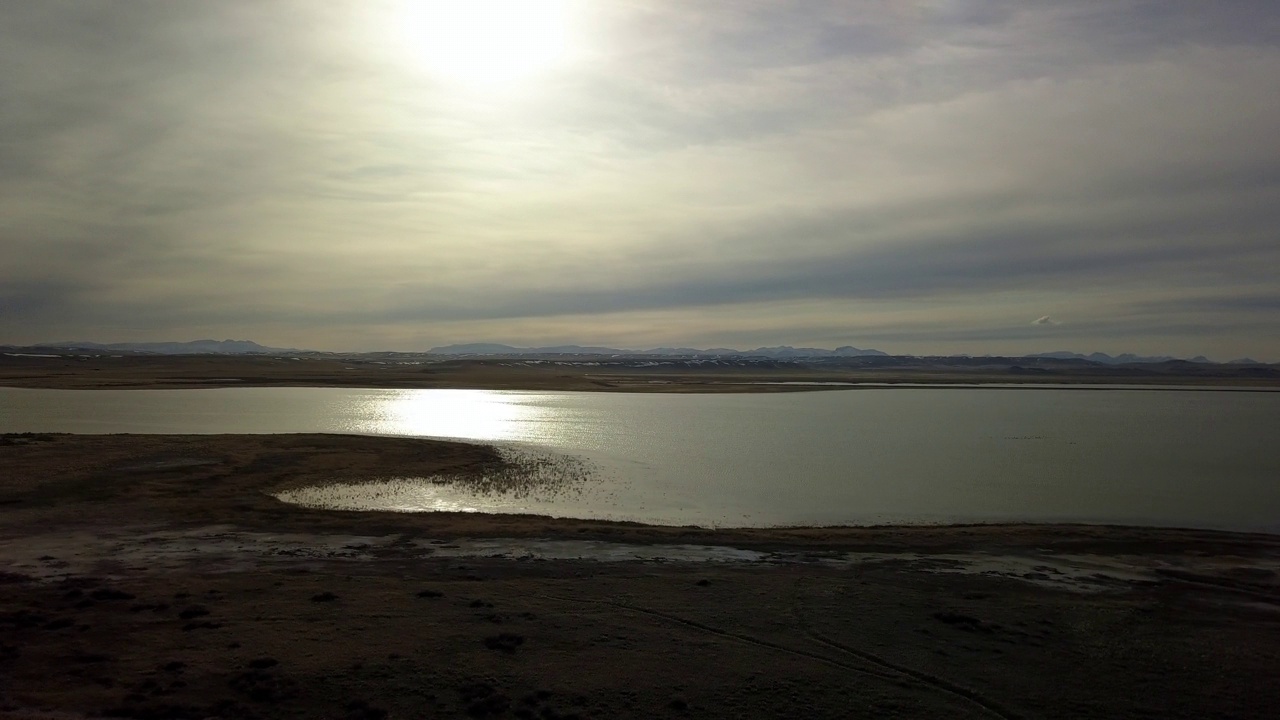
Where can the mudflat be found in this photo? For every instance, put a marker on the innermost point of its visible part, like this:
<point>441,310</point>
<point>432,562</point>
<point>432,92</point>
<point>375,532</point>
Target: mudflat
<point>154,576</point>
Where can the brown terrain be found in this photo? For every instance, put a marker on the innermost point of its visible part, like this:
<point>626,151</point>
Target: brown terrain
<point>594,373</point>
<point>157,577</point>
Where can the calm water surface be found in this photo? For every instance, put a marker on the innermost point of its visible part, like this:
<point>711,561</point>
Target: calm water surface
<point>872,455</point>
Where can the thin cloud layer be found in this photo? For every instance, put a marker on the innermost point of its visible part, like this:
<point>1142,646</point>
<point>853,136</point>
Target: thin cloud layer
<point>907,175</point>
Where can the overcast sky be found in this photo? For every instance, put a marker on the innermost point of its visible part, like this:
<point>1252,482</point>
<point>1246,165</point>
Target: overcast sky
<point>940,176</point>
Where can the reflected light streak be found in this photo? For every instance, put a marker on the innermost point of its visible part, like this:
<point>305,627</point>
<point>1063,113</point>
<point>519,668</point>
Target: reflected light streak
<point>397,495</point>
<point>465,414</point>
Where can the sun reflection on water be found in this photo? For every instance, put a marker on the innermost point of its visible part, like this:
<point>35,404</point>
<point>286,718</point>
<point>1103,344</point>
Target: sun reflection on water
<point>469,414</point>
<point>524,479</point>
<point>394,495</point>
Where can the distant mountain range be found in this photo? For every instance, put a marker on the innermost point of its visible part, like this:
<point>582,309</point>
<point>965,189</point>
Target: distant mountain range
<point>1123,359</point>
<point>1129,358</point>
<point>781,351</point>
<point>787,352</point>
<point>194,347</point>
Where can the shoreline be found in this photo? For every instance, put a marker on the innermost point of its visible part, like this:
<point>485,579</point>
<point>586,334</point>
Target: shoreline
<point>690,388</point>
<point>153,577</point>
<point>703,388</point>
<point>175,372</point>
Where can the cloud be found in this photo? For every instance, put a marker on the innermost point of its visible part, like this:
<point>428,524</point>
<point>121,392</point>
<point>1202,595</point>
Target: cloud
<point>748,172</point>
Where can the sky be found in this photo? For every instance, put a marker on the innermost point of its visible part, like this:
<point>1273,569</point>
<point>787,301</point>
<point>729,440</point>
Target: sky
<point>917,176</point>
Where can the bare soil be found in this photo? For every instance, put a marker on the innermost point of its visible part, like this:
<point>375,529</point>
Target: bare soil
<point>156,577</point>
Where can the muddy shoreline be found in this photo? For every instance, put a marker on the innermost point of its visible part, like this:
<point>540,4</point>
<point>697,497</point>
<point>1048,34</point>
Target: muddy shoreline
<point>156,577</point>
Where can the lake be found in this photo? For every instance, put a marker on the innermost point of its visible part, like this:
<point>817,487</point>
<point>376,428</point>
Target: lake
<point>860,456</point>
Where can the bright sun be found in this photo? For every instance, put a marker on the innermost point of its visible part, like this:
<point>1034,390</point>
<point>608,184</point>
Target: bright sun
<point>488,43</point>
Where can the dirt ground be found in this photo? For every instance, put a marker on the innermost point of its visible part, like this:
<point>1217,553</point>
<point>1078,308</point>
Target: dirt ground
<point>156,577</point>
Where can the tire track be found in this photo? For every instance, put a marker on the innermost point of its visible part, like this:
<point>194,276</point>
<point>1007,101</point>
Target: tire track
<point>750,640</point>
<point>936,682</point>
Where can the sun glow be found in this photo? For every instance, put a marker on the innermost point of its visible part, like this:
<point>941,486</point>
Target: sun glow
<point>485,44</point>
